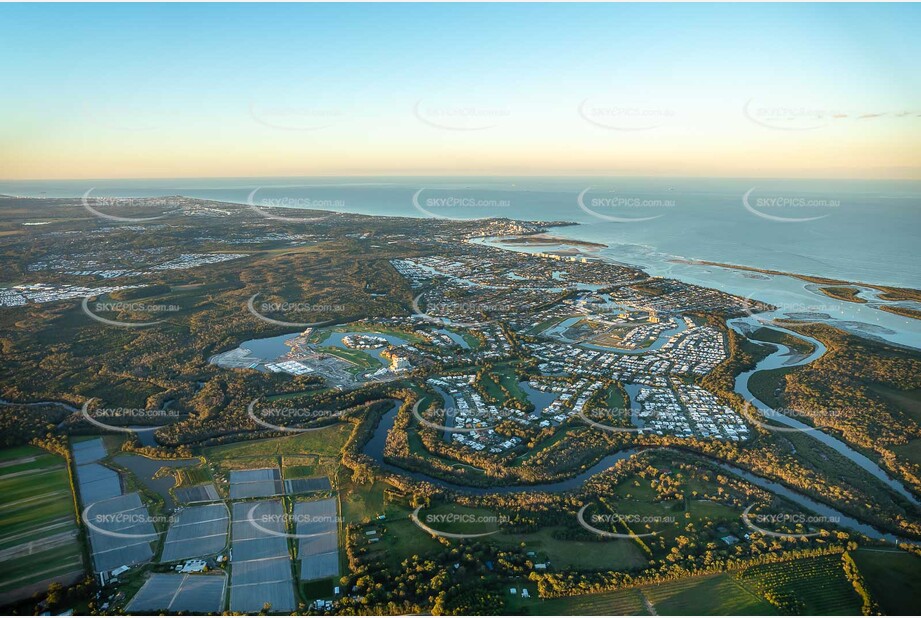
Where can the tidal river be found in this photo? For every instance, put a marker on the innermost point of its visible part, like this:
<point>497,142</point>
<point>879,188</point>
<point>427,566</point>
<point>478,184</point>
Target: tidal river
<point>782,357</point>
<point>375,449</point>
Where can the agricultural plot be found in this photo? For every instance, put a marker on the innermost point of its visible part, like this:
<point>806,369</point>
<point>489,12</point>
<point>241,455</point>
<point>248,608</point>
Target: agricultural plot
<point>258,531</point>
<point>318,538</point>
<point>618,603</point>
<point>893,578</point>
<point>260,568</point>
<point>199,594</point>
<point>39,541</point>
<point>326,442</point>
<point>260,483</point>
<point>198,493</point>
<point>95,482</point>
<point>713,595</point>
<point>121,532</point>
<point>199,531</point>
<point>88,451</point>
<point>304,486</point>
<point>816,586</point>
<point>578,554</point>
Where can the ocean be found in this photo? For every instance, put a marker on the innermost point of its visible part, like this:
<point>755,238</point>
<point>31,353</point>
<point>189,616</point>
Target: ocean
<point>868,231</point>
<point>857,230</point>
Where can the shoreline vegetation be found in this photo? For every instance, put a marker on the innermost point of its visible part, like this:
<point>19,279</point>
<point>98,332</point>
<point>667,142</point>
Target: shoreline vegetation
<point>906,312</point>
<point>844,293</point>
<point>344,265</point>
<point>888,292</point>
<point>542,238</point>
<point>838,289</point>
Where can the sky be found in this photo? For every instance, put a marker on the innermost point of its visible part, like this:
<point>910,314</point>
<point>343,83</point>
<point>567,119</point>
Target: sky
<point>225,90</point>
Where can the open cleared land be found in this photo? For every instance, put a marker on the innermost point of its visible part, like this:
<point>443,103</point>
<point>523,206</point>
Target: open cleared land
<point>893,578</point>
<point>621,602</point>
<point>713,595</point>
<point>39,538</point>
<point>614,554</point>
<point>807,586</point>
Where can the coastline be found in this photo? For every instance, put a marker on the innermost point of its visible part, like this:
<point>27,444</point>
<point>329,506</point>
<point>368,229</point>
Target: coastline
<point>887,292</point>
<point>543,238</point>
<point>896,293</point>
<point>549,235</point>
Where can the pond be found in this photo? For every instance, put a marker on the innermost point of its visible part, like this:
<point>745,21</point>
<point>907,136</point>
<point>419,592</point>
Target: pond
<point>334,339</point>
<point>144,468</point>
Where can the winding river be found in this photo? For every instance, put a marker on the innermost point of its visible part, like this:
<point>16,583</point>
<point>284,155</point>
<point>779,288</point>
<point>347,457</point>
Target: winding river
<point>375,449</point>
<point>782,356</point>
<point>32,404</point>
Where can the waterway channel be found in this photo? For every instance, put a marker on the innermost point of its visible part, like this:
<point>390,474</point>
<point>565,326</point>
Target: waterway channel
<point>375,449</point>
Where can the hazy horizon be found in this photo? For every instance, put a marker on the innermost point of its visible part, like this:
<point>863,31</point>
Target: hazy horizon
<point>410,175</point>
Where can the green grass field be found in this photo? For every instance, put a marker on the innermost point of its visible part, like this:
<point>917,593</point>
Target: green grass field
<point>360,503</point>
<point>198,475</point>
<point>544,325</point>
<point>576,554</point>
<point>327,441</point>
<point>615,398</point>
<point>504,375</point>
<point>893,578</point>
<point>400,538</point>
<point>360,361</point>
<point>510,381</point>
<point>39,538</point>
<point>618,603</point>
<point>636,498</point>
<point>294,467</point>
<point>809,586</point>
<point>459,519</point>
<point>716,595</point>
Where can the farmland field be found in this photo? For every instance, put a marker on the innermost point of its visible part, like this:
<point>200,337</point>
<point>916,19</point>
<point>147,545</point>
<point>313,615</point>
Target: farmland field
<point>620,602</point>
<point>187,477</point>
<point>715,595</point>
<point>622,554</point>
<point>360,503</point>
<point>327,441</point>
<point>399,537</point>
<point>808,586</point>
<point>459,519</point>
<point>39,538</point>
<point>892,577</point>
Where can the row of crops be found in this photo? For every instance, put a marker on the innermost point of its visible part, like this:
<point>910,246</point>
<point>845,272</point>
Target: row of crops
<point>808,586</point>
